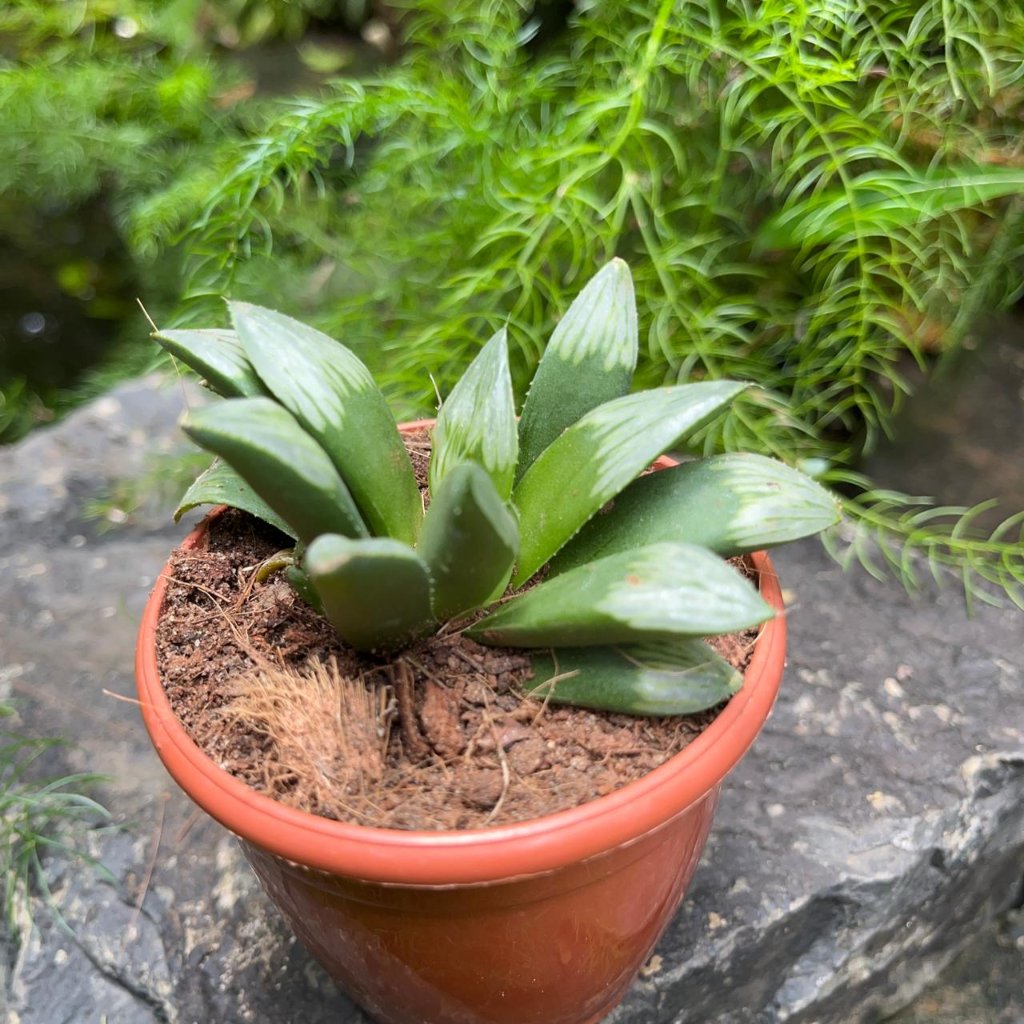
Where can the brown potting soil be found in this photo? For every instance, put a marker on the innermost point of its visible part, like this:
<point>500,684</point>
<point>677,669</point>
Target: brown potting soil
<point>265,687</point>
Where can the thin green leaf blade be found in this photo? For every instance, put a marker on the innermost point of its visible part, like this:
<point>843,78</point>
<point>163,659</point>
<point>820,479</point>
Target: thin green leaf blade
<point>271,452</point>
<point>594,459</point>
<point>217,356</point>
<point>588,361</point>
<point>731,504</point>
<point>881,201</point>
<point>469,541</point>
<point>331,393</point>
<point>664,590</point>
<point>221,485</point>
<point>477,421</point>
<point>376,592</point>
<point>673,677</point>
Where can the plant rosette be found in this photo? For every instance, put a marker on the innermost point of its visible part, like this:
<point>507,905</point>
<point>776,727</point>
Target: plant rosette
<point>544,921</point>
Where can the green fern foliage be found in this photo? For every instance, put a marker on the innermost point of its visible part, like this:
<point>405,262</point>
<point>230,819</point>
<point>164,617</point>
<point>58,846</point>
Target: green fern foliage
<point>815,196</point>
<point>811,195</point>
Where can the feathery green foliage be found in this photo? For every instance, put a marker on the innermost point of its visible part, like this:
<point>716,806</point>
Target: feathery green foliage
<point>811,195</point>
<point>294,453</point>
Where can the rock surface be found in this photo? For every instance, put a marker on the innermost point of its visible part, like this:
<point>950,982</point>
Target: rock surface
<point>877,824</point>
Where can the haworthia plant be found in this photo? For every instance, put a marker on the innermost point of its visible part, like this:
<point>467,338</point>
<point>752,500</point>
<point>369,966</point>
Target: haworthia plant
<point>631,563</point>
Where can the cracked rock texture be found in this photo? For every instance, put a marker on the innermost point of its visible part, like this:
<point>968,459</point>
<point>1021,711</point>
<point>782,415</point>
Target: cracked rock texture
<point>874,828</point>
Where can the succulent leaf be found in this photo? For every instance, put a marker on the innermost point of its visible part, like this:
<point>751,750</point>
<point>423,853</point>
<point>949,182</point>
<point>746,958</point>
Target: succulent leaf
<point>588,361</point>
<point>672,677</point>
<point>268,448</point>
<point>469,541</point>
<point>221,485</point>
<point>595,458</point>
<point>303,586</point>
<point>477,421</point>
<point>332,394</point>
<point>732,504</point>
<point>664,590</point>
<point>217,356</point>
<point>376,592</point>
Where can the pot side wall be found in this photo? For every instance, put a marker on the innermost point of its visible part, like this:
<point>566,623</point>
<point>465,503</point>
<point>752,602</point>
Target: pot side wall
<point>561,948</point>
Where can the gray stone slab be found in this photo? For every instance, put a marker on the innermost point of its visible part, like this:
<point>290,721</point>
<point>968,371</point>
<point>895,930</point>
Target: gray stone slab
<point>878,822</point>
<point>983,985</point>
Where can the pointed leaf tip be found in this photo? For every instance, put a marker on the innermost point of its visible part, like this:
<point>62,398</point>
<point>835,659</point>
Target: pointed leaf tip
<point>217,356</point>
<point>477,421</point>
<point>589,360</point>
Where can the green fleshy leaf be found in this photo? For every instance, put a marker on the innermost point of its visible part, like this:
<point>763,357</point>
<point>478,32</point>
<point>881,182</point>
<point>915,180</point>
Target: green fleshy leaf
<point>477,421</point>
<point>221,485</point>
<point>469,541</point>
<point>731,504</point>
<point>217,356</point>
<point>589,360</point>
<point>594,459</point>
<point>271,452</point>
<point>331,393</point>
<point>375,592</point>
<point>673,677</point>
<point>303,586</point>
<point>665,590</point>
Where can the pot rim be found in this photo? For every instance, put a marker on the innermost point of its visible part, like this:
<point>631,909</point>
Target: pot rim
<point>473,856</point>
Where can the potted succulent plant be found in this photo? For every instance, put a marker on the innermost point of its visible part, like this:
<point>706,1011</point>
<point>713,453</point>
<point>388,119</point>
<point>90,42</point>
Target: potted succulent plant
<point>544,533</point>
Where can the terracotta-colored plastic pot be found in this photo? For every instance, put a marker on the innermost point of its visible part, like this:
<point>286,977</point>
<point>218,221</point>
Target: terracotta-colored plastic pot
<point>542,922</point>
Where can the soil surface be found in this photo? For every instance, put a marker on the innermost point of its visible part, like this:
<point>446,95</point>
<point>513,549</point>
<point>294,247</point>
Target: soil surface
<point>265,687</point>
